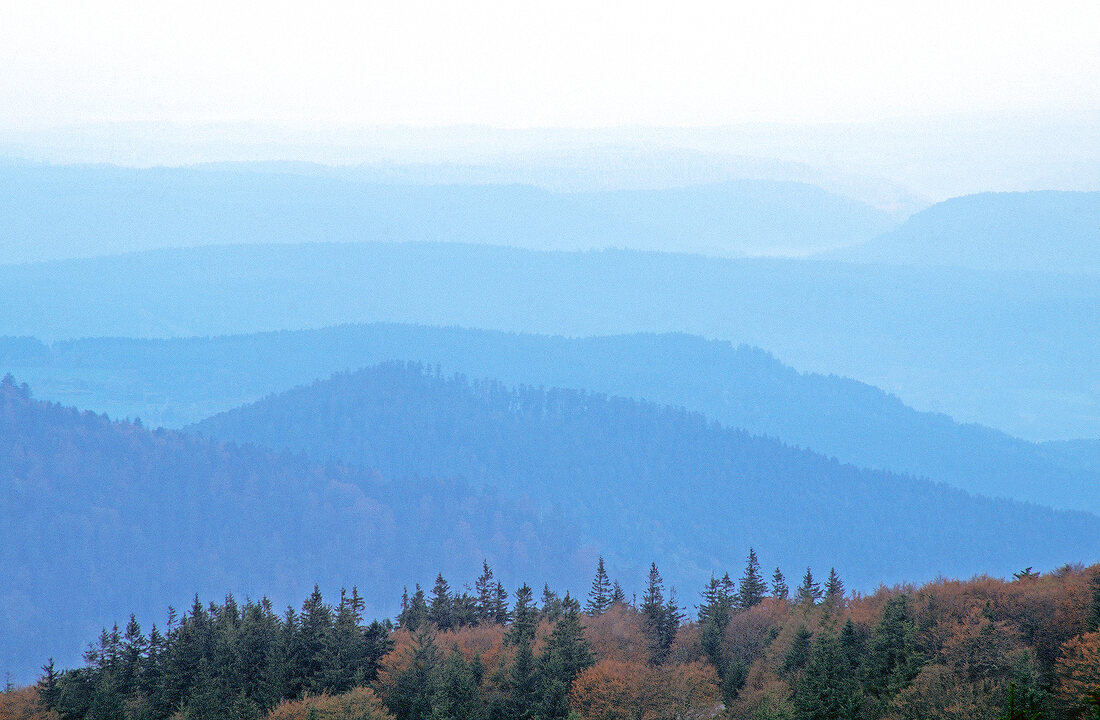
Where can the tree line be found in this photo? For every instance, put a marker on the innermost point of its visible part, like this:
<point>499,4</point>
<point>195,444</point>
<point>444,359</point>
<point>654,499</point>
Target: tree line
<point>751,648</point>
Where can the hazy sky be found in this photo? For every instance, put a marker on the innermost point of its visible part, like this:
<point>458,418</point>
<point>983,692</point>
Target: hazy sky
<point>520,64</point>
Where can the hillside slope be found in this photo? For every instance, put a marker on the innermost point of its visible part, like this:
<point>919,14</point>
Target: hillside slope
<point>98,519</point>
<point>1014,351</point>
<point>642,476</point>
<point>180,381</point>
<point>1052,231</point>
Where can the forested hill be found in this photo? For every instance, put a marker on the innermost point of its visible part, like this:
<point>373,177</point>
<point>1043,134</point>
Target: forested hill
<point>1013,351</point>
<point>179,381</point>
<point>658,481</point>
<point>99,518</point>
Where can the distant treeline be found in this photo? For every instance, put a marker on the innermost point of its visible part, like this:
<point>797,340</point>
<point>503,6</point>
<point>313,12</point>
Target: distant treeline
<point>983,649</point>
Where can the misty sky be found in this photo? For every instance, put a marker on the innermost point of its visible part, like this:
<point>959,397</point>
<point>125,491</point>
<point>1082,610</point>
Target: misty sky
<point>519,64</point>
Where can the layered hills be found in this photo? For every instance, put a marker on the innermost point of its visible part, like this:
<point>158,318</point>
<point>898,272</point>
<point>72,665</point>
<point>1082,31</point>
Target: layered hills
<point>58,212</point>
<point>1011,350</point>
<point>178,381</point>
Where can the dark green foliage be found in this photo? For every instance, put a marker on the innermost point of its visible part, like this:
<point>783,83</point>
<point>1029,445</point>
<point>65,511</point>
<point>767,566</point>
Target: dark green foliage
<point>827,689</point>
<point>809,592</point>
<point>714,616</point>
<point>893,658</point>
<point>525,619</point>
<point>780,590</point>
<point>414,611</point>
<point>411,695</point>
<point>799,653</point>
<point>1092,614</point>
<point>618,596</point>
<point>441,607</point>
<point>834,590</point>
<point>599,597</point>
<point>752,585</point>
<point>566,654</point>
<point>661,619</point>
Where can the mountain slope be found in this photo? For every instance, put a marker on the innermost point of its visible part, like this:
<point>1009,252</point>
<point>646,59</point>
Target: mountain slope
<point>639,475</point>
<point>1053,231</point>
<point>98,519</point>
<point>175,382</point>
<point>51,213</point>
<point>1011,350</point>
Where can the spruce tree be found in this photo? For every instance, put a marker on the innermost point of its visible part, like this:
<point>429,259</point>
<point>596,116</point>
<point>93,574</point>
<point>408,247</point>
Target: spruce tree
<point>441,606</point>
<point>551,603</point>
<point>655,618</point>
<point>566,654</point>
<point>501,614</point>
<point>834,590</point>
<point>1092,616</point>
<point>798,654</point>
<point>415,613</point>
<point>525,619</point>
<point>752,585</point>
<point>892,657</point>
<point>714,616</point>
<point>599,597</point>
<point>618,597</point>
<point>826,690</point>
<point>809,592</point>
<point>485,589</point>
<point>780,591</point>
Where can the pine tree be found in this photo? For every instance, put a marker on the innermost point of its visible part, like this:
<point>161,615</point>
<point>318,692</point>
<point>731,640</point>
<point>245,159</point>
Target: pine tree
<point>551,604</point>
<point>714,616</point>
<point>618,597</point>
<point>485,589</point>
<point>780,591</point>
<point>809,592</point>
<point>524,618</point>
<point>799,652</point>
<point>566,654</point>
<point>752,584</point>
<point>826,690</point>
<point>1092,617</point>
<point>441,606</point>
<point>415,613</point>
<point>655,618</point>
<point>834,590</point>
<point>501,614</point>
<point>599,597</point>
<point>48,690</point>
<point>892,657</point>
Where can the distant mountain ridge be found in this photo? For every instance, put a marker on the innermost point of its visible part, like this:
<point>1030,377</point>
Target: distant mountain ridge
<point>637,475</point>
<point>175,382</point>
<point>1014,351</point>
<point>1047,230</point>
<point>59,212</point>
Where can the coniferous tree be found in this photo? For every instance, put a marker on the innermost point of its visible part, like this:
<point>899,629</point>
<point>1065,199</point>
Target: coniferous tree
<point>501,614</point>
<point>551,604</point>
<point>566,654</point>
<point>780,590</point>
<point>1092,616</point>
<point>599,597</point>
<point>410,695</point>
<point>826,689</point>
<point>892,656</point>
<point>48,690</point>
<point>618,597</point>
<point>799,652</point>
<point>834,590</point>
<point>752,585</point>
<point>441,606</point>
<point>714,616</point>
<point>415,612</point>
<point>485,589</point>
<point>659,634</point>
<point>525,618</point>
<point>809,592</point>
<point>455,695</point>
